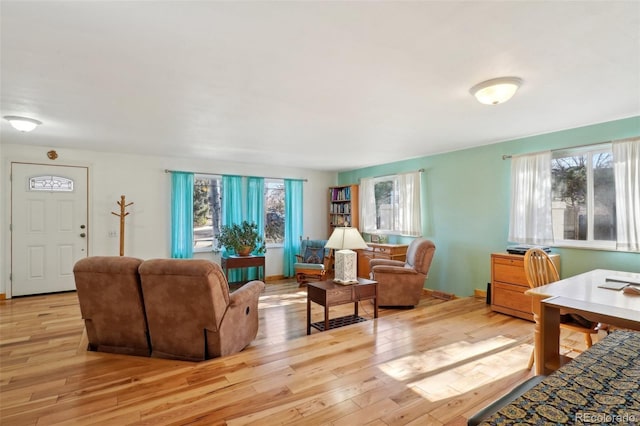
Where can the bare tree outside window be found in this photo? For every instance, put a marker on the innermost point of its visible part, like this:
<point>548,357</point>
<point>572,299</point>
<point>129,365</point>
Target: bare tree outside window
<point>274,211</point>
<point>583,191</point>
<point>385,205</point>
<point>207,211</point>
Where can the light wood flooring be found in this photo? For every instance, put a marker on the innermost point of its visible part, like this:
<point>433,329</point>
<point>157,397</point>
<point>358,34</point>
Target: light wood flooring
<point>436,364</point>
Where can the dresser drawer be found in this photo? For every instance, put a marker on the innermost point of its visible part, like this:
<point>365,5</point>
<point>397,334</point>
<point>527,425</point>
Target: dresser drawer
<point>511,296</point>
<point>510,271</point>
<point>339,296</point>
<point>363,292</point>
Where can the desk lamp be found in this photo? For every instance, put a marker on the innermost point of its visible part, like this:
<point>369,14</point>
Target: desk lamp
<point>344,240</point>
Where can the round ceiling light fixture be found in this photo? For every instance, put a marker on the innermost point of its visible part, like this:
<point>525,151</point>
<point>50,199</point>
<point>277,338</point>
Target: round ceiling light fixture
<point>24,124</point>
<point>496,90</point>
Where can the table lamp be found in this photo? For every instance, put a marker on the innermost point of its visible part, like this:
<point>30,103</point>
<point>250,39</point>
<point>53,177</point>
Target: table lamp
<point>344,239</point>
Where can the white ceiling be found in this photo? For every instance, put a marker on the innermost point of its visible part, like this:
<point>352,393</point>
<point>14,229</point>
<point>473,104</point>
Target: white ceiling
<point>326,85</point>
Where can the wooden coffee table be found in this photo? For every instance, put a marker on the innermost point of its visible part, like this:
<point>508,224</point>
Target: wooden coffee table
<point>327,294</point>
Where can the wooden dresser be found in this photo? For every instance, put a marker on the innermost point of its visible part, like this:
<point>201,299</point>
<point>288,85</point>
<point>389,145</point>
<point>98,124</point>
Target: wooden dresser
<point>379,251</point>
<point>508,284</point>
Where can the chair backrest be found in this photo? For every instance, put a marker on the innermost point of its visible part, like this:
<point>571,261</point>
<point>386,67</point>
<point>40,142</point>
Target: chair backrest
<point>420,254</point>
<point>183,299</point>
<point>111,304</point>
<point>539,268</point>
<point>316,253</point>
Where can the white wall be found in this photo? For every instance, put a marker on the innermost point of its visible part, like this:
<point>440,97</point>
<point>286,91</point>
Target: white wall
<point>142,179</point>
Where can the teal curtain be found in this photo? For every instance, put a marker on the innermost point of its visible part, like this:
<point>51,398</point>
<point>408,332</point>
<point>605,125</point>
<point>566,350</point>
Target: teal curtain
<point>292,224</point>
<point>232,212</point>
<point>181,215</point>
<point>255,211</point>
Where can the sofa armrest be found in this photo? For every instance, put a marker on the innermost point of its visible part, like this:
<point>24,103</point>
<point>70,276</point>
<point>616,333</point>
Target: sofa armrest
<point>387,262</point>
<point>389,269</point>
<point>246,294</point>
<point>240,323</point>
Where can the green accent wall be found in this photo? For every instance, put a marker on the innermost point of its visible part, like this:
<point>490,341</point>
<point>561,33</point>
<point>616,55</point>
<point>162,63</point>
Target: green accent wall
<point>465,206</point>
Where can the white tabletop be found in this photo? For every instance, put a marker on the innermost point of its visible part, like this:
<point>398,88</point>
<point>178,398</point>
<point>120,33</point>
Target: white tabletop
<point>584,287</point>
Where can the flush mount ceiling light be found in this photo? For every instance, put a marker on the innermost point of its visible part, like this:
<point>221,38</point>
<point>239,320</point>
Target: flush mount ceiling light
<point>496,90</point>
<point>23,124</point>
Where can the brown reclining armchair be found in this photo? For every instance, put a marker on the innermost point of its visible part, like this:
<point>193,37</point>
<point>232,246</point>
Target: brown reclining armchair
<point>111,304</point>
<point>191,314</point>
<point>401,283</point>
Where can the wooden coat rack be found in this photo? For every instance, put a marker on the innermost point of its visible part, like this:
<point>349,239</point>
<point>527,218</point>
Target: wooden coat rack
<point>122,215</point>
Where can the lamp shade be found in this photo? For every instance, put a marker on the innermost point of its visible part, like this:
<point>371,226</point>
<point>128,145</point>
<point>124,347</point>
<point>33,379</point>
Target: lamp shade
<point>497,90</point>
<point>346,265</point>
<point>23,124</point>
<point>346,238</point>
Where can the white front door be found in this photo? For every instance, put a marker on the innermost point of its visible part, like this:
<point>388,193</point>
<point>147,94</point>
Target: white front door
<point>49,226</point>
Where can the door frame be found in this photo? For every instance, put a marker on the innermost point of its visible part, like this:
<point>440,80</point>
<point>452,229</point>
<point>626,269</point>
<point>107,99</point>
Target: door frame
<point>9,213</point>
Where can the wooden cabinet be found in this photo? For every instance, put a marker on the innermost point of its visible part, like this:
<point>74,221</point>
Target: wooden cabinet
<point>343,206</point>
<point>379,251</point>
<point>508,284</point>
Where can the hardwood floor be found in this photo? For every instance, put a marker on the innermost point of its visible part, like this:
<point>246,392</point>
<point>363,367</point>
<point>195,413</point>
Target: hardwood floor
<point>436,364</point>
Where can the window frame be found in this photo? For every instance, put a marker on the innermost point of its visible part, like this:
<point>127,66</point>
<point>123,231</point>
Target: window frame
<point>589,243</point>
<point>268,181</point>
<point>213,247</point>
<point>399,203</point>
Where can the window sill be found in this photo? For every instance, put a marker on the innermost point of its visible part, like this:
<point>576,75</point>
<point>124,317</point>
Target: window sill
<point>585,246</point>
<point>206,250</point>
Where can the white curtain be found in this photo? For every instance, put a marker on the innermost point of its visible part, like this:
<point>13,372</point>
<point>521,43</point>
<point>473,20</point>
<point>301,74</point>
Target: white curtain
<point>407,216</point>
<point>409,220</point>
<point>626,165</point>
<point>530,220</point>
<point>367,205</point>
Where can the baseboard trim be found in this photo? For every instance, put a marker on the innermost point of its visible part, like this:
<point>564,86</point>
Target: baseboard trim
<point>439,294</point>
<point>274,278</point>
<point>479,294</point>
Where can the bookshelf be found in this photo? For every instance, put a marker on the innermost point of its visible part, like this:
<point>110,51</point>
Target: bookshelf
<point>343,206</point>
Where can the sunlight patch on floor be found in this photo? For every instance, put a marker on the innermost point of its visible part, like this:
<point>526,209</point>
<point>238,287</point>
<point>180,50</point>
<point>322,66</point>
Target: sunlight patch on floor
<point>472,375</point>
<point>280,300</point>
<point>408,367</point>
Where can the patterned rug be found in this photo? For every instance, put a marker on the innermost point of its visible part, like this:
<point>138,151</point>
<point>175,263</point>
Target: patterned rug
<point>600,386</point>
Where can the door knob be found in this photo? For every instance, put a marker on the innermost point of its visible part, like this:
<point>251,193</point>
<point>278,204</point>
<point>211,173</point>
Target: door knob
<point>82,226</point>
<point>83,235</point>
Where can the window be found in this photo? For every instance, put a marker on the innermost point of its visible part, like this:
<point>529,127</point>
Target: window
<point>207,211</point>
<point>580,197</point>
<point>274,211</point>
<point>583,197</point>
<point>391,204</point>
<point>50,183</point>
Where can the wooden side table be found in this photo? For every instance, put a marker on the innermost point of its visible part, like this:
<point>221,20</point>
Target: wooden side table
<point>235,262</point>
<point>327,293</point>
<point>379,251</point>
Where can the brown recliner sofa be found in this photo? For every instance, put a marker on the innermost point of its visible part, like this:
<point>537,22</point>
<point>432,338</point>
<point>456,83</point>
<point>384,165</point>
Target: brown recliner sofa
<point>111,304</point>
<point>400,283</point>
<point>190,312</point>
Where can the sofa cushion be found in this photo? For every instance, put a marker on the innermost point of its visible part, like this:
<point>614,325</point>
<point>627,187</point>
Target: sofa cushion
<point>313,255</point>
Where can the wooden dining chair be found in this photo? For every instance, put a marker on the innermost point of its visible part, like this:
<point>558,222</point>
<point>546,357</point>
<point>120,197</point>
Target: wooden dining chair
<point>540,270</point>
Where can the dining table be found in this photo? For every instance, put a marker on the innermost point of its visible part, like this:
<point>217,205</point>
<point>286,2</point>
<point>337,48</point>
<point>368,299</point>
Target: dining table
<point>597,295</point>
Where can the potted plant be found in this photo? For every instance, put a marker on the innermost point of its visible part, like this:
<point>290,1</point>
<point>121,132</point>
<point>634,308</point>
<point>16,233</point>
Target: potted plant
<point>243,238</point>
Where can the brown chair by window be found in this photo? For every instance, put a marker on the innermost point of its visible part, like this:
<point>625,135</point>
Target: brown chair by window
<point>191,314</point>
<point>400,283</point>
<point>111,304</point>
<point>540,270</point>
